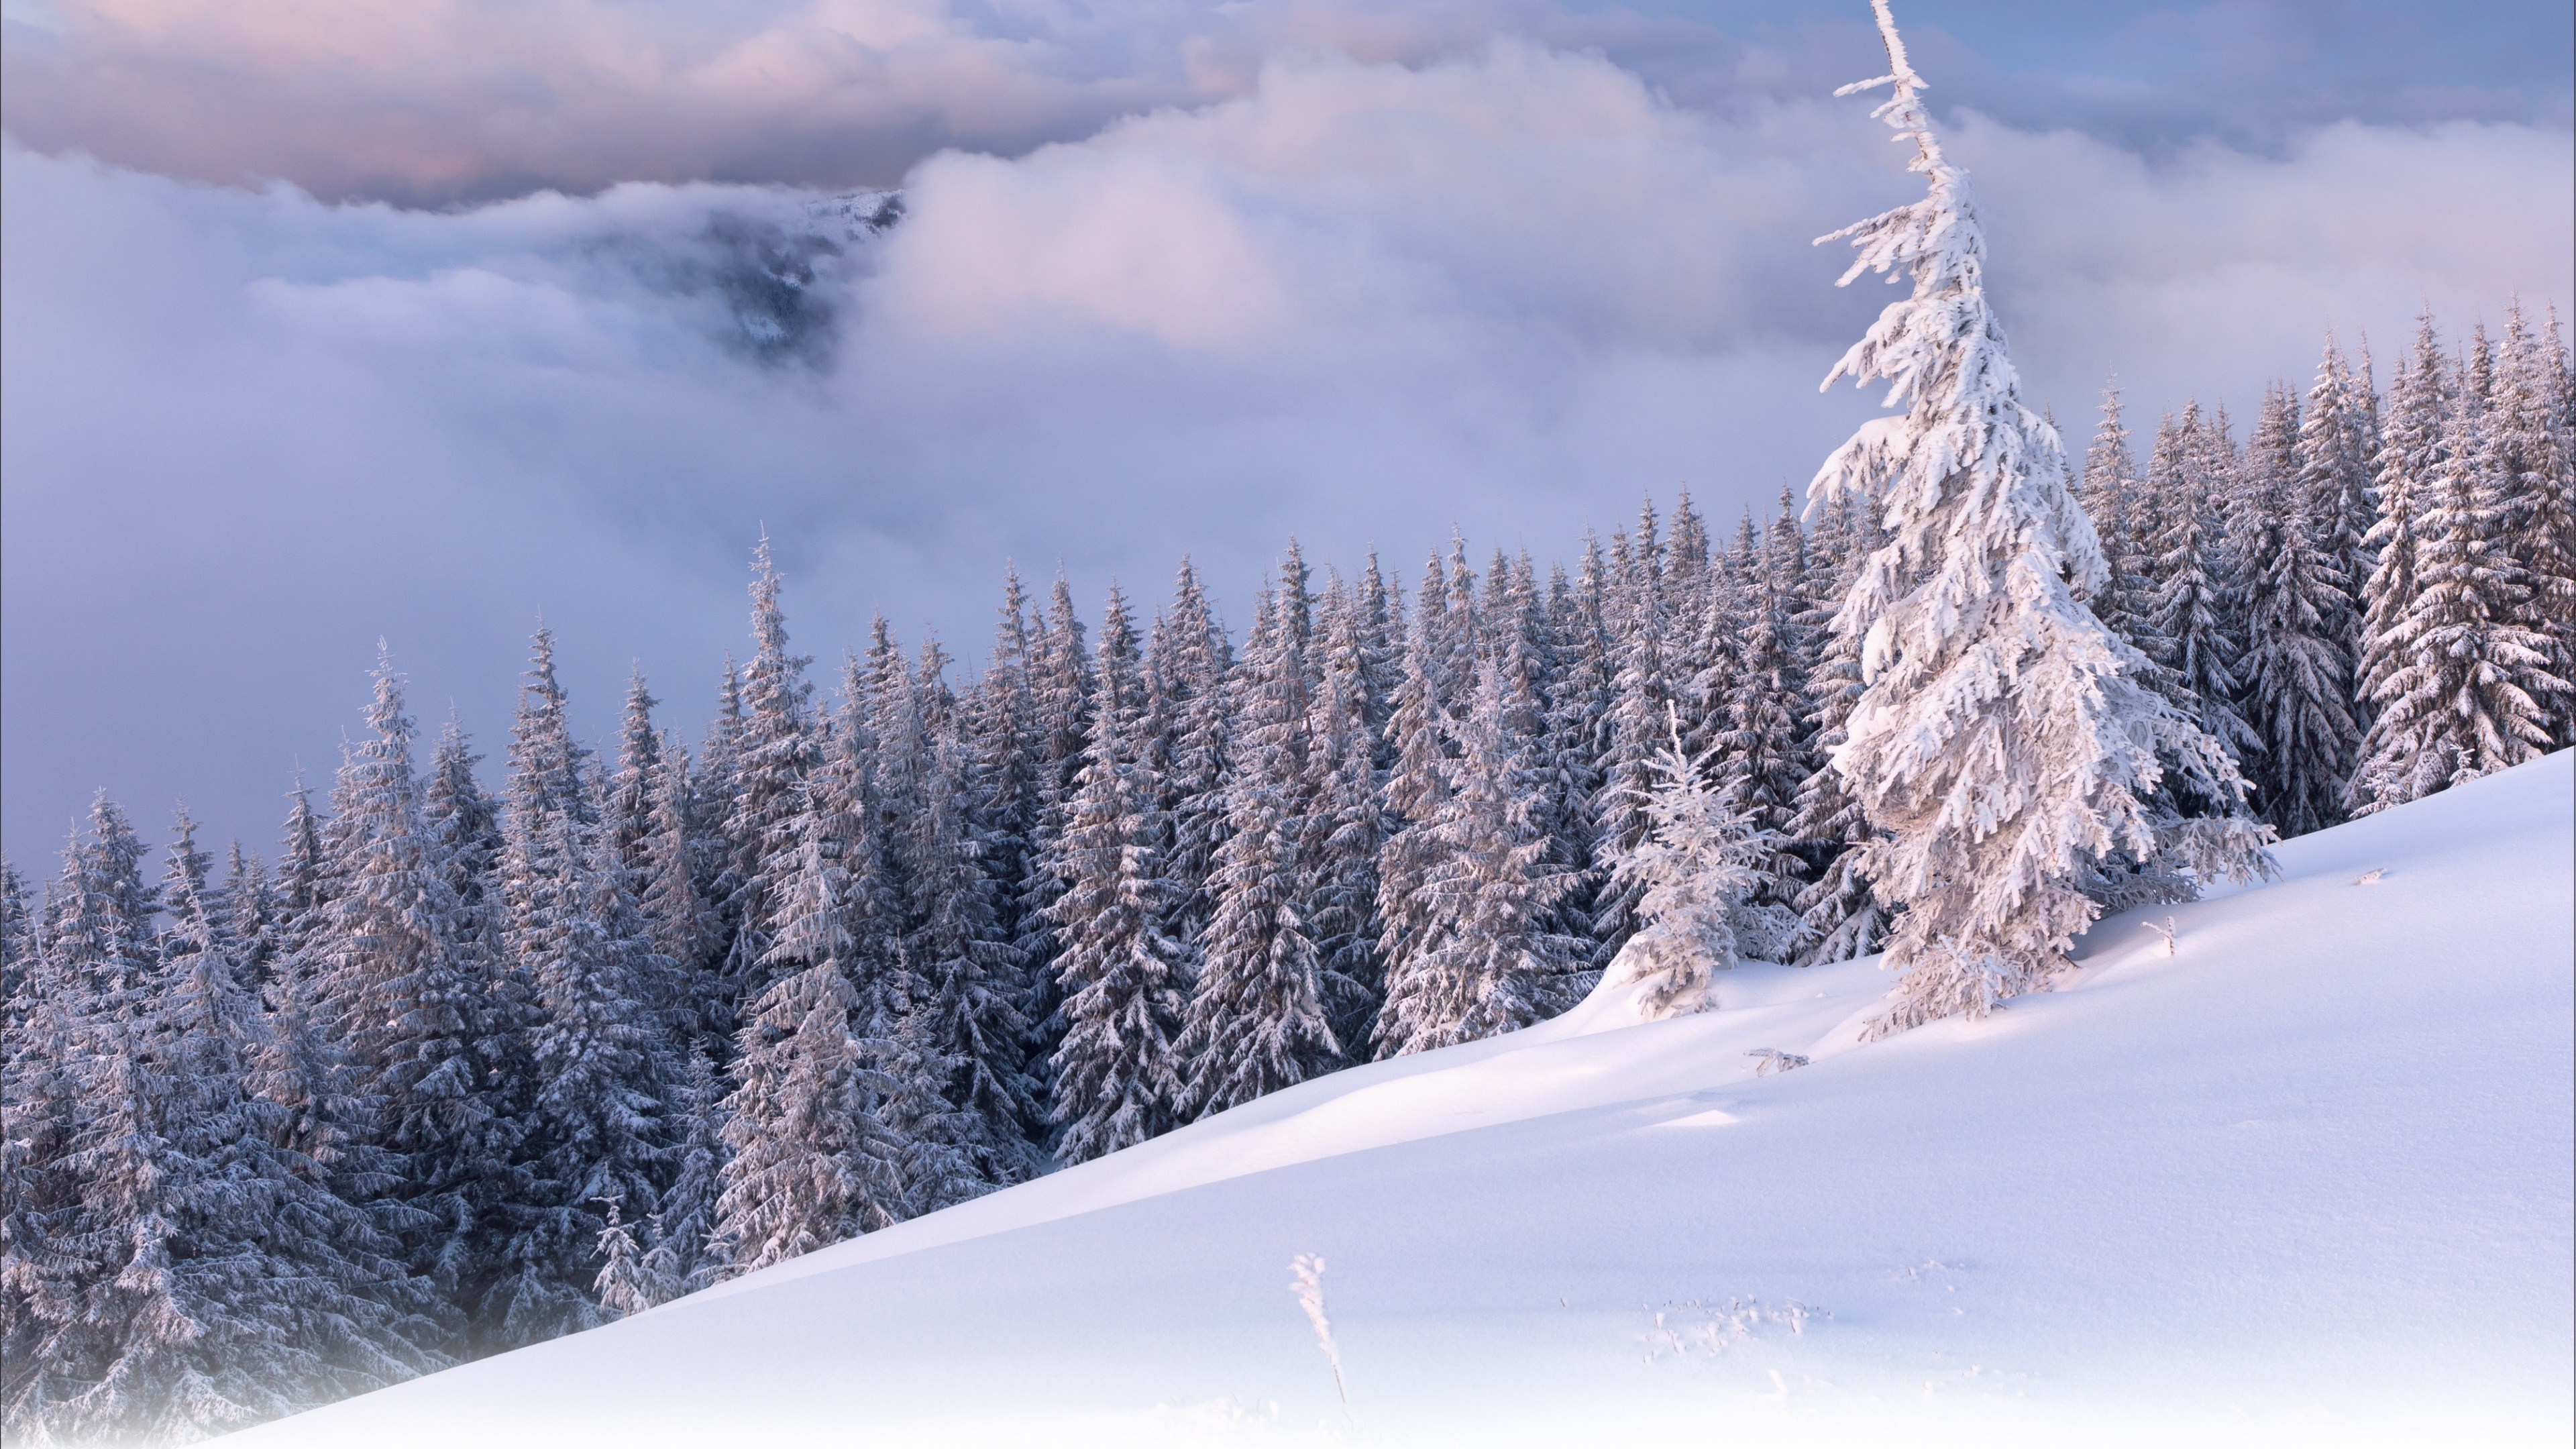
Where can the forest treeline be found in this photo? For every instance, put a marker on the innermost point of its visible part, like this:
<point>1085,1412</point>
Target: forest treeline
<point>457,1071</point>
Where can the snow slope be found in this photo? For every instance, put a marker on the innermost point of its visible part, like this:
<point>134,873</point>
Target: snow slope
<point>2306,1180</point>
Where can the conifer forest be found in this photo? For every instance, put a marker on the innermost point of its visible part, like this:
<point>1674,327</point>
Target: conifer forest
<point>500,1040</point>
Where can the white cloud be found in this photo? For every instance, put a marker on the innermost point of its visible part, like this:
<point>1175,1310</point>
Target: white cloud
<point>250,432</point>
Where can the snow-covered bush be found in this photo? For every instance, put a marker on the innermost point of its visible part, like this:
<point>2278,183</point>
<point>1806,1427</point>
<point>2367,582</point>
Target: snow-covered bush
<point>1695,871</point>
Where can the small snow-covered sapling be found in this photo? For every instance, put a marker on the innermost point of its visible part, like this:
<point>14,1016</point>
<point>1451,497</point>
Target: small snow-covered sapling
<point>1774,1060</point>
<point>2166,930</point>
<point>2368,876</point>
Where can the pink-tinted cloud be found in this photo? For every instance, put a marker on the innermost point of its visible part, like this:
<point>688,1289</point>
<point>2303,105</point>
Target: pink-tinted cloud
<point>250,432</point>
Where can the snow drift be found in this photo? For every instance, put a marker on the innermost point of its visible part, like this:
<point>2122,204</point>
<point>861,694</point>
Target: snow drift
<point>2305,1180</point>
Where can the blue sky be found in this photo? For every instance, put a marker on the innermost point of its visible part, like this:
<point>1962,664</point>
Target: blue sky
<point>325,331</point>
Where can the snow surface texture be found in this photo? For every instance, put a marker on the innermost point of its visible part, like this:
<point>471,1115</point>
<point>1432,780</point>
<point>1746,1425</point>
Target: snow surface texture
<point>2305,1181</point>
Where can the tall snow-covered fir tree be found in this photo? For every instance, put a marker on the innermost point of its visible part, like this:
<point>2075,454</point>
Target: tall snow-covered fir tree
<point>684,1254</point>
<point>2113,498</point>
<point>599,1051</point>
<point>2334,485</point>
<point>222,1281</point>
<point>2298,673</point>
<point>412,1010</point>
<point>971,1018</point>
<point>1764,751</point>
<point>771,754</point>
<point>464,824</point>
<point>1346,819</point>
<point>670,856</point>
<point>626,804</point>
<point>1118,1077</point>
<point>811,1160</point>
<point>999,725</point>
<point>868,808</point>
<point>2196,602</point>
<point>715,779</point>
<point>2531,442</point>
<point>2407,461</point>
<point>1486,958</point>
<point>2002,744</point>
<point>1256,1020</point>
<point>1059,673</point>
<point>1189,673</point>
<point>1578,724</point>
<point>2463,683</point>
<point>1417,784</point>
<point>92,950</point>
<point>1644,691</point>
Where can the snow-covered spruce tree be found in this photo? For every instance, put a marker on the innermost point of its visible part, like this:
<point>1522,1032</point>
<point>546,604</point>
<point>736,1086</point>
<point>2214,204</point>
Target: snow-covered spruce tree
<point>1346,820</point>
<point>999,724</point>
<point>851,805</point>
<point>772,756</point>
<point>1764,752</point>
<point>18,940</point>
<point>971,1016</point>
<point>2002,746</point>
<point>933,978</point>
<point>228,1285</point>
<point>1485,959</point>
<point>626,805</point>
<point>2466,694</point>
<point>715,784</point>
<point>2298,677</point>
<point>2196,598</point>
<point>1256,1020</point>
<point>2335,487</point>
<point>1060,716</point>
<point>464,825</point>
<point>1839,917</point>
<point>246,908</point>
<point>2113,498</point>
<point>1519,638</point>
<point>1578,721</point>
<point>304,886</point>
<point>1118,1075</point>
<point>1710,621</point>
<point>39,1276</point>
<point>97,925</point>
<point>1703,860</point>
<point>1456,624</point>
<point>604,1065</point>
<point>863,807</point>
<point>1188,678</point>
<point>1379,624</point>
<point>94,949</point>
<point>683,1256</point>
<point>812,1163</point>
<point>594,1044</point>
<point>1417,783</point>
<point>1685,558</point>
<point>1515,640</point>
<point>676,916</point>
<point>409,1007</point>
<point>2410,455</point>
<point>1642,693</point>
<point>2532,457</point>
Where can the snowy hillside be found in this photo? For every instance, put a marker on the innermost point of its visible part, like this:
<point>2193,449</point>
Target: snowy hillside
<point>2306,1180</point>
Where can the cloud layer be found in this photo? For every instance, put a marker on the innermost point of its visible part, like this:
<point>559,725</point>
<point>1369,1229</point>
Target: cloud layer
<point>250,432</point>
<point>439,101</point>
